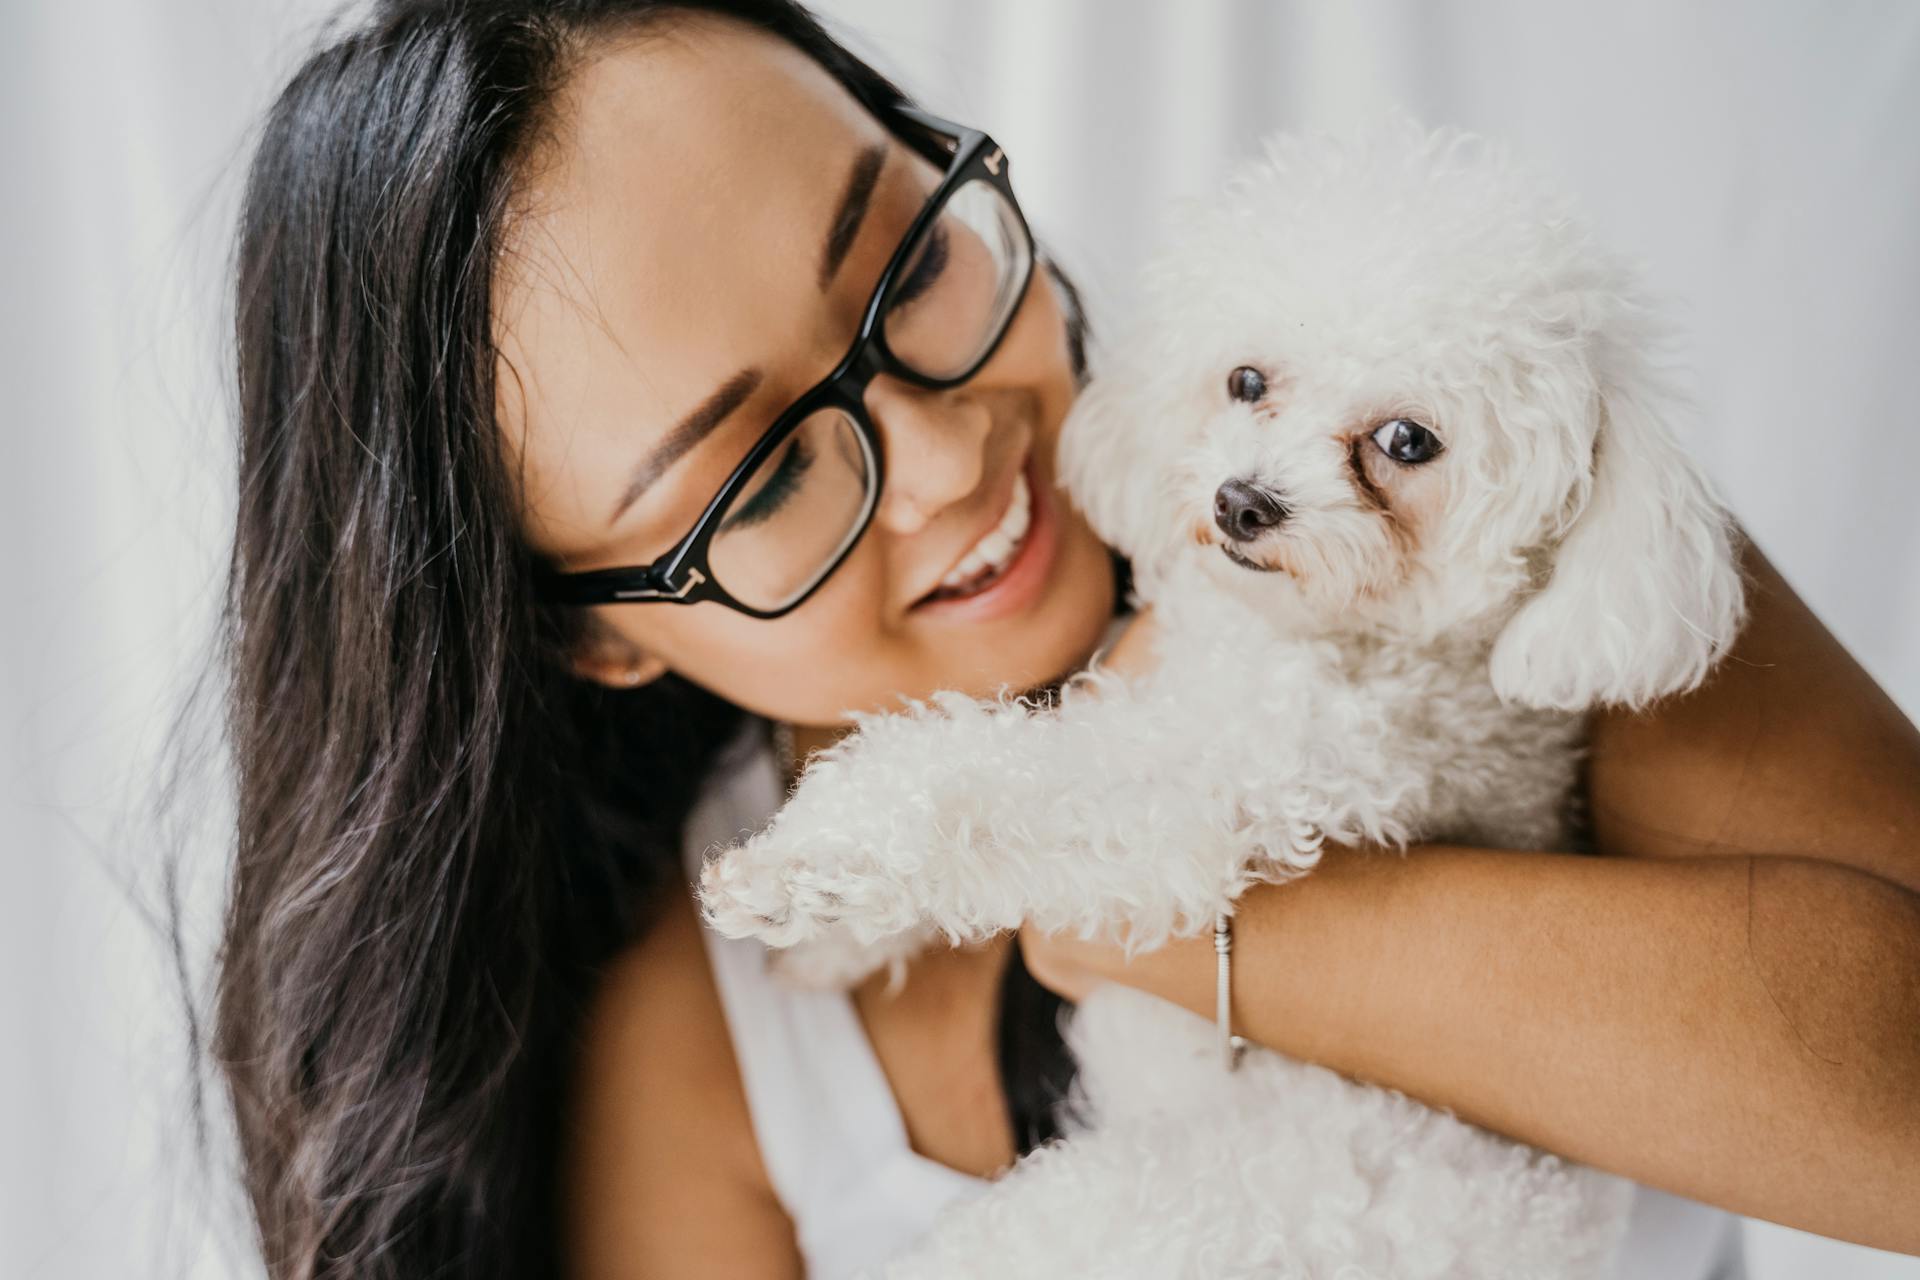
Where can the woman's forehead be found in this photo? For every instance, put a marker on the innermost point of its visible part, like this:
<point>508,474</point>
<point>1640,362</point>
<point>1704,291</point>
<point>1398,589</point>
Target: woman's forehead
<point>669,234</point>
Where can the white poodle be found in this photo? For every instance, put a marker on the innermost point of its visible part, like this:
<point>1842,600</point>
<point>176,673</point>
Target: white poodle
<point>1393,462</point>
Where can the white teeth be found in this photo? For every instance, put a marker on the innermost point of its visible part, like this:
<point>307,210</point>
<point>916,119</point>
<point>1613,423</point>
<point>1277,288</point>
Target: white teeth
<point>997,547</point>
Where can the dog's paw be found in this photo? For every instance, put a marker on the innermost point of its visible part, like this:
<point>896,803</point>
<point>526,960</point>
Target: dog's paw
<point>742,900</point>
<point>784,893</point>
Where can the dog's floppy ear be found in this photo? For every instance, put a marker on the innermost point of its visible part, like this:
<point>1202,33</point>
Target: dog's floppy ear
<point>1111,459</point>
<point>1645,591</point>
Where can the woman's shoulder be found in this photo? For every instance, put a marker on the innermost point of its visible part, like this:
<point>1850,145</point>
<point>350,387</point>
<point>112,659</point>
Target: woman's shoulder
<point>661,1172</point>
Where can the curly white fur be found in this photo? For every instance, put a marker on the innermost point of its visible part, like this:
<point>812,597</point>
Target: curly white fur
<point>1281,1170</point>
<point>1405,654</point>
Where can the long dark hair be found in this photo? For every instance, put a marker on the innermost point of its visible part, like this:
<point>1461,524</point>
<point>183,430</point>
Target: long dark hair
<point>442,832</point>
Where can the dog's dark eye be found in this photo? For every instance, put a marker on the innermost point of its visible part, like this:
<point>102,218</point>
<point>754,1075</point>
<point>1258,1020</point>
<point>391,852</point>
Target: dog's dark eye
<point>1246,384</point>
<point>1405,440</point>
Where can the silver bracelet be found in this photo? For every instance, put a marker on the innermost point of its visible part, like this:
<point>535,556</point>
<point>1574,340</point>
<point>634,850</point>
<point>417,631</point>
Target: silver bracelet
<point>1231,1045</point>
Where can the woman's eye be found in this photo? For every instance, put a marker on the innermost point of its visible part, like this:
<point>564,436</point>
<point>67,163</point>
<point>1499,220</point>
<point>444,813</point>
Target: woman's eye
<point>765,502</point>
<point>1246,384</point>
<point>1405,440</point>
<point>929,261</point>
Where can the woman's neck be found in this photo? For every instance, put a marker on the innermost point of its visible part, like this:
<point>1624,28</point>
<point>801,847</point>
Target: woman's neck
<point>806,739</point>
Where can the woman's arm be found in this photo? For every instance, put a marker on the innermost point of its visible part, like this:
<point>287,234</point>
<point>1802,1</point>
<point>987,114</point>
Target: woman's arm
<point>661,1173</point>
<point>1740,1029</point>
<point>1790,749</point>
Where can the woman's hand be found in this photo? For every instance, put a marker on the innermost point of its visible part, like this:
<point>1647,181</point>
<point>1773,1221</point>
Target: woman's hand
<point>1070,968</point>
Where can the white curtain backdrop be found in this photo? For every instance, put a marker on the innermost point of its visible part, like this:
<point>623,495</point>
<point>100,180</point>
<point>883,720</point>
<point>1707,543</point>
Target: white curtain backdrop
<point>1759,157</point>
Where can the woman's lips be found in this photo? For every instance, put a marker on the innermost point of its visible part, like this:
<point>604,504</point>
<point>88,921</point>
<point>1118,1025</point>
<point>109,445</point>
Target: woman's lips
<point>993,554</point>
<point>1019,582</point>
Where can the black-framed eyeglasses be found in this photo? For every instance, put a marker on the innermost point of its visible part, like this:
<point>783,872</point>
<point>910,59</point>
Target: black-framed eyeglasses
<point>806,491</point>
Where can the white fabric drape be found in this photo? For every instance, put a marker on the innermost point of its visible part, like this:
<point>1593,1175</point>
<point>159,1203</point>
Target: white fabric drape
<point>1758,156</point>
<point>121,142</point>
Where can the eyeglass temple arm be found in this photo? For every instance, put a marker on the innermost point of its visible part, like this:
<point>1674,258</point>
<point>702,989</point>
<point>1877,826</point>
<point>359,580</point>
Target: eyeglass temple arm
<point>606,586</point>
<point>954,136</point>
<point>662,592</point>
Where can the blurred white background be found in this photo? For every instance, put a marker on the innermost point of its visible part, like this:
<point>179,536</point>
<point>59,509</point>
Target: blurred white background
<point>1758,157</point>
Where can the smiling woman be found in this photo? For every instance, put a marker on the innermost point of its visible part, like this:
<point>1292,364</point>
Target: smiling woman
<point>555,288</point>
<point>855,285</point>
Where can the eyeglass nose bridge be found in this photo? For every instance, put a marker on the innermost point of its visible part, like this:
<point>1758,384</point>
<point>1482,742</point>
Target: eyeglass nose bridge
<point>847,385</point>
<point>870,358</point>
<point>867,361</point>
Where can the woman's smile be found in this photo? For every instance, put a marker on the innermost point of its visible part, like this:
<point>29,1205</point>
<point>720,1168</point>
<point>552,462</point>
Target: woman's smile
<point>1009,567</point>
<point>987,557</point>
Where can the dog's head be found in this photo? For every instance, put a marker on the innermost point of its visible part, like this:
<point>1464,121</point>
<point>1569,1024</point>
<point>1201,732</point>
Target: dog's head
<point>1393,384</point>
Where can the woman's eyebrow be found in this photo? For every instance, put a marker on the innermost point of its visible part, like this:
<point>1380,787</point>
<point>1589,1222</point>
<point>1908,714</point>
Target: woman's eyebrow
<point>690,431</point>
<point>845,227</point>
<point>698,425</point>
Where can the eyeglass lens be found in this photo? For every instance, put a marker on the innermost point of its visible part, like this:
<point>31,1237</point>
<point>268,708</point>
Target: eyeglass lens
<point>801,507</point>
<point>952,298</point>
<point>796,513</point>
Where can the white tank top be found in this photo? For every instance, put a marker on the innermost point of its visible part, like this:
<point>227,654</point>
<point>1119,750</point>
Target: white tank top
<point>830,1131</point>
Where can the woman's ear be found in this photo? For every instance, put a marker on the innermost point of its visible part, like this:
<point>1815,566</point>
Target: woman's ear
<point>1645,593</point>
<point>606,657</point>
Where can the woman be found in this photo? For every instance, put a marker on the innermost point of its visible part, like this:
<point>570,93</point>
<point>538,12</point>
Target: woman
<point>521,289</point>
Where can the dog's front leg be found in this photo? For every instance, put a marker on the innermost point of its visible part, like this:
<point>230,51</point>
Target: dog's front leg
<point>897,827</point>
<point>1147,813</point>
<point>1123,812</point>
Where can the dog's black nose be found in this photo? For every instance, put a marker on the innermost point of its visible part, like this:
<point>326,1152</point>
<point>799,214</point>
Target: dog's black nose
<point>1245,511</point>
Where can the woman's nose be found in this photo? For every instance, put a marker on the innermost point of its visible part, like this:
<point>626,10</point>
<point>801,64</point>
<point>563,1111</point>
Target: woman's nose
<point>935,443</point>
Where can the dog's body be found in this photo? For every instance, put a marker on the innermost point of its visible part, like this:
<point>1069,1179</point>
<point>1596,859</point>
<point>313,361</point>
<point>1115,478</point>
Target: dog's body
<point>1174,1168</point>
<point>1402,383</point>
<point>1146,805</point>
